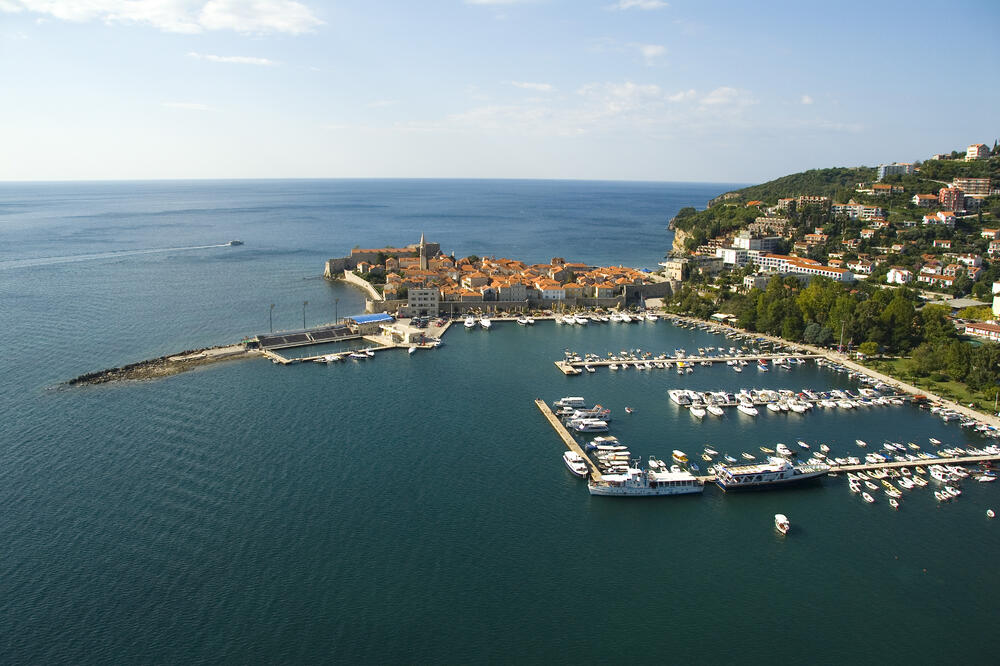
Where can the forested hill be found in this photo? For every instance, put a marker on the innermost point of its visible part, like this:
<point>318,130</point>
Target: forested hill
<point>817,182</point>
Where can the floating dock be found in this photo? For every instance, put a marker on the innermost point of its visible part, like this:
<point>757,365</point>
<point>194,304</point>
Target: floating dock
<point>576,367</point>
<point>568,439</point>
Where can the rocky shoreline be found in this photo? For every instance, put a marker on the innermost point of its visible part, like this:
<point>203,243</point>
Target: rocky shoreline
<point>164,366</point>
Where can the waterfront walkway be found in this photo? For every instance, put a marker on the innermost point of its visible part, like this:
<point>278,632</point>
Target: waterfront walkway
<point>573,367</point>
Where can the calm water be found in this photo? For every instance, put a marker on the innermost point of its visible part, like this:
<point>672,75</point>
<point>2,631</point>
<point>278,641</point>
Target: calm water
<point>413,508</point>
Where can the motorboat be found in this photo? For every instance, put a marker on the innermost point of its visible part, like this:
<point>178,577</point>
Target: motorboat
<point>729,458</point>
<point>773,407</point>
<point>522,321</point>
<point>575,463</point>
<point>679,457</point>
<point>629,410</point>
<point>747,408</point>
<point>711,451</point>
<point>860,442</point>
<point>582,321</point>
<point>747,456</point>
<point>765,449</point>
<point>893,502</point>
<point>470,322</point>
<point>485,323</point>
<point>234,243</point>
<point>868,498</point>
<point>781,523</point>
<point>411,350</point>
<point>935,442</point>
<point>802,444</point>
<point>715,410</point>
<point>783,450</point>
<point>697,411</point>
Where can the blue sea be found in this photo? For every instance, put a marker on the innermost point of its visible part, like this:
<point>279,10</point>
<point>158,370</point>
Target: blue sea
<point>415,508</point>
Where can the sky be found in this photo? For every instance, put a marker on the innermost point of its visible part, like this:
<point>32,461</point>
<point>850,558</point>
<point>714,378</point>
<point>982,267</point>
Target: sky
<point>704,90</point>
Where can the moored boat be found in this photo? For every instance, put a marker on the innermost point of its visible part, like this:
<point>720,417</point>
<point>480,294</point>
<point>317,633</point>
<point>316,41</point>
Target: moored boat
<point>575,463</point>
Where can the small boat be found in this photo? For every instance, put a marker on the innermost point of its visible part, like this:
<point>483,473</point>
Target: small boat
<point>860,442</point>
<point>679,457</point>
<point>706,457</point>
<point>990,513</point>
<point>485,323</point>
<point>729,458</point>
<point>868,498</point>
<point>613,366</point>
<point>747,409</point>
<point>522,321</point>
<point>781,523</point>
<point>766,450</point>
<point>411,350</point>
<point>629,410</point>
<point>747,456</point>
<point>369,353</point>
<point>589,368</point>
<point>234,243</point>
<point>711,451</point>
<point>802,444</point>
<point>783,450</point>
<point>357,356</point>
<point>715,410</point>
<point>824,448</point>
<point>933,441</point>
<point>470,322</point>
<point>893,502</point>
<point>697,412</point>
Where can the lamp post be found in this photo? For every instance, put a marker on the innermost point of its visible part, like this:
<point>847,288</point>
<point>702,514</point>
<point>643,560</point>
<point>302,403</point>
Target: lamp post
<point>304,304</point>
<point>270,317</point>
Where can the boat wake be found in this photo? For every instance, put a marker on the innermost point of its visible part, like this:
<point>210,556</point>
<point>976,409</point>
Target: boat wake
<point>48,261</point>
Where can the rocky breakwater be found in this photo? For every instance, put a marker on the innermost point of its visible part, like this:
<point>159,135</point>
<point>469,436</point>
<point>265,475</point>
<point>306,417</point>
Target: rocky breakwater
<point>164,366</point>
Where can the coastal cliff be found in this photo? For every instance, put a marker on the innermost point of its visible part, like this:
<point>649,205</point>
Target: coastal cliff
<point>679,237</point>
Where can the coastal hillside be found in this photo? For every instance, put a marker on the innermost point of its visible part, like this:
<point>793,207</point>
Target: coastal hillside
<point>816,182</point>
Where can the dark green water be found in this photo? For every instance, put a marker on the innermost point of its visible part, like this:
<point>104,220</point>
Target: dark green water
<point>416,508</point>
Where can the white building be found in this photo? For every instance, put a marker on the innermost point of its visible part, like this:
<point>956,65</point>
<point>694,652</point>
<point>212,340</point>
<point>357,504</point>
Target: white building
<point>977,151</point>
<point>423,301</point>
<point>894,169</point>
<point>996,299</point>
<point>732,256</point>
<point>897,275</point>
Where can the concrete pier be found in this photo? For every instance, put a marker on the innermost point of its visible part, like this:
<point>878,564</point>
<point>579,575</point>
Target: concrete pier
<point>567,438</point>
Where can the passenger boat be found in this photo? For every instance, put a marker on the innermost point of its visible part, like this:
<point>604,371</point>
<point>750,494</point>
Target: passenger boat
<point>776,472</point>
<point>575,463</point>
<point>781,523</point>
<point>635,482</point>
<point>589,425</point>
<point>571,401</point>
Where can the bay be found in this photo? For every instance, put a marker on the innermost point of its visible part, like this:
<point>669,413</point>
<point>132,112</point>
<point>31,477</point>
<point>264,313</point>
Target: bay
<point>413,507</point>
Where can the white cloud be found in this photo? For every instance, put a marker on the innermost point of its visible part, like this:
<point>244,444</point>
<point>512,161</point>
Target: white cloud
<point>184,16</point>
<point>495,2</point>
<point>683,95</point>
<point>540,87</point>
<point>382,103</point>
<point>236,60</point>
<point>622,5</point>
<point>651,51</point>
<point>806,99</point>
<point>187,106</point>
<point>725,96</point>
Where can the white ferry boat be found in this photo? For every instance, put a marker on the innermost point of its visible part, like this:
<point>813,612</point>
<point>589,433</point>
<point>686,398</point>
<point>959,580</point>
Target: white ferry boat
<point>775,472</point>
<point>575,463</point>
<point>644,483</point>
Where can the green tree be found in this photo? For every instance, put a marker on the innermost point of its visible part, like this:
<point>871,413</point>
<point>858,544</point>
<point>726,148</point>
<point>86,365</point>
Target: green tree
<point>868,348</point>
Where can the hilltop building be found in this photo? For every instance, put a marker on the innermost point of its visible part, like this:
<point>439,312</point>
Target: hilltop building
<point>895,169</point>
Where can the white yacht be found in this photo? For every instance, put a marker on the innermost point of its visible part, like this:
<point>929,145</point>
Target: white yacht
<point>571,401</point>
<point>776,472</point>
<point>485,322</point>
<point>589,425</point>
<point>697,411</point>
<point>581,320</point>
<point>639,483</point>
<point>747,408</point>
<point>715,410</point>
<point>470,322</point>
<point>522,321</point>
<point>783,450</point>
<point>575,463</point>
